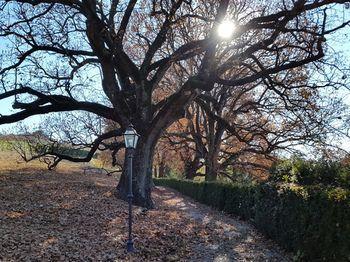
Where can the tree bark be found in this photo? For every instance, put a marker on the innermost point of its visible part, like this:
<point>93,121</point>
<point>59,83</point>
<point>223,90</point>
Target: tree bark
<point>155,171</point>
<point>212,159</point>
<point>142,175</point>
<point>191,168</point>
<point>143,157</point>
<point>162,169</point>
<point>212,166</point>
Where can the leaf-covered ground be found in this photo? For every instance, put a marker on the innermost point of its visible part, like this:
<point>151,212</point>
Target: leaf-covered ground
<point>52,216</point>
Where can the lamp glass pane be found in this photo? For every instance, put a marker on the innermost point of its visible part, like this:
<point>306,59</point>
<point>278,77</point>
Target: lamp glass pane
<point>129,141</point>
<point>136,138</point>
<point>125,140</point>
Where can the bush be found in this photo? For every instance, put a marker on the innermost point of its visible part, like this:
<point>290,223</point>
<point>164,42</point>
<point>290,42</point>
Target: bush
<point>312,221</point>
<point>308,172</point>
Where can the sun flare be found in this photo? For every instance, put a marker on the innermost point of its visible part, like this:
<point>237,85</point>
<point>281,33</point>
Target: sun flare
<point>226,29</point>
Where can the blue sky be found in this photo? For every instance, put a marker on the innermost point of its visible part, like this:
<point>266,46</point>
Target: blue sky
<point>340,42</point>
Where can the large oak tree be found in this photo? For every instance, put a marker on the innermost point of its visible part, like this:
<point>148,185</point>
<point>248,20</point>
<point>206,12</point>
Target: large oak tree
<point>53,50</point>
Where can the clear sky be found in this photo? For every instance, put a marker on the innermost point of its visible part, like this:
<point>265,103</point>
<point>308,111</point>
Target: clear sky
<point>6,109</point>
<point>340,42</point>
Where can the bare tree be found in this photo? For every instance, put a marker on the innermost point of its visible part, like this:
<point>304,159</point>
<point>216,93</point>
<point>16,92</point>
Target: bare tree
<point>53,49</point>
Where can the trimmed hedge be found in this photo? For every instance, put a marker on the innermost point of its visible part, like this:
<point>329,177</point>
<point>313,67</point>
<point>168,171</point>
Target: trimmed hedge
<point>312,222</point>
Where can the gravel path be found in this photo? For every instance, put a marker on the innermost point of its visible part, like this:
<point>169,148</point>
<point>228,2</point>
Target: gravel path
<point>51,216</point>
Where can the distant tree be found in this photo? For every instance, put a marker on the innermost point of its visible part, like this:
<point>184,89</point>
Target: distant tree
<point>166,160</point>
<point>220,151</point>
<point>55,50</point>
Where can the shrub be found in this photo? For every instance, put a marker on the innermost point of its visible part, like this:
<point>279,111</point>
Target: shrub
<point>313,222</point>
<point>308,172</point>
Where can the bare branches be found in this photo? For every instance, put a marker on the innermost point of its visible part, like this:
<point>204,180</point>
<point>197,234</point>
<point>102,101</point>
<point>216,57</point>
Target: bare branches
<point>52,103</point>
<point>161,36</point>
<point>151,60</point>
<point>125,20</point>
<point>51,152</point>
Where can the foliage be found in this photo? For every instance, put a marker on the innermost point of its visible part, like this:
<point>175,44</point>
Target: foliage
<point>145,62</point>
<point>308,172</point>
<point>5,145</point>
<point>312,221</point>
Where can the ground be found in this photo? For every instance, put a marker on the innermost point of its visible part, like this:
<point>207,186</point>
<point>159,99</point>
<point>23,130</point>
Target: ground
<point>68,215</point>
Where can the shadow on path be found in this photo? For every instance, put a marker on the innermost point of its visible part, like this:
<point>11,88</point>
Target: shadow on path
<point>225,238</point>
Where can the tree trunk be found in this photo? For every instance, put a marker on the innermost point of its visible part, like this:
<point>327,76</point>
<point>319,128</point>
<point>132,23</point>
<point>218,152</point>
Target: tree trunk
<point>142,175</point>
<point>155,171</point>
<point>212,158</point>
<point>162,169</point>
<point>143,157</point>
<point>212,166</point>
<point>191,168</point>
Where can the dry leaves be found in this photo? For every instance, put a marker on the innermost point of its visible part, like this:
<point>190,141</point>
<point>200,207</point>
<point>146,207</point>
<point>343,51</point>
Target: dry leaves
<point>64,217</point>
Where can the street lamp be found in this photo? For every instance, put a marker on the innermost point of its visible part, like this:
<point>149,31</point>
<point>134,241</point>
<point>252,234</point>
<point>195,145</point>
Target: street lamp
<point>130,138</point>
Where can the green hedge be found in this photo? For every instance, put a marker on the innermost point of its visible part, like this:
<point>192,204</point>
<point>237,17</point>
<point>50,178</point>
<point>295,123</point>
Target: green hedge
<point>312,222</point>
<point>311,172</point>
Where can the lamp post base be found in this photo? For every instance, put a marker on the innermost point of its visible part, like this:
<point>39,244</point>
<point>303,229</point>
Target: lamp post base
<point>130,246</point>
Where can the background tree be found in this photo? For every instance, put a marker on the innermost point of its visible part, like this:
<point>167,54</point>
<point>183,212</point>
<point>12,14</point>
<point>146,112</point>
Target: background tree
<point>55,49</point>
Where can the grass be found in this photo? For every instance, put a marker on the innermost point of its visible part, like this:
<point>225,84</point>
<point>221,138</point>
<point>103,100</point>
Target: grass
<point>10,161</point>
<point>7,144</point>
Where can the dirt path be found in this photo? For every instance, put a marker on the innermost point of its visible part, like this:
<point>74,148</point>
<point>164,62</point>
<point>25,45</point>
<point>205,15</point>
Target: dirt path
<point>227,239</point>
<point>50,216</point>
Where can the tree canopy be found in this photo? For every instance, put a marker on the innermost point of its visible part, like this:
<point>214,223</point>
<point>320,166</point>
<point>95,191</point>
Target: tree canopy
<point>145,62</point>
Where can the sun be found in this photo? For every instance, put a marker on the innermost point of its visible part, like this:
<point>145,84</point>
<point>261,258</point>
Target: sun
<point>226,29</point>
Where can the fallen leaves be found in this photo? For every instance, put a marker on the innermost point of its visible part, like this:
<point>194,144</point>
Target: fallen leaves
<point>14,214</point>
<point>64,217</point>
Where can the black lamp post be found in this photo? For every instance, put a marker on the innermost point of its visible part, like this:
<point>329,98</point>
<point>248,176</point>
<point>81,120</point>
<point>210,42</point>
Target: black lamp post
<point>130,137</point>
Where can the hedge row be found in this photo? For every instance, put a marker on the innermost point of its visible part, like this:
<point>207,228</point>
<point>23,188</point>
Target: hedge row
<point>312,222</point>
